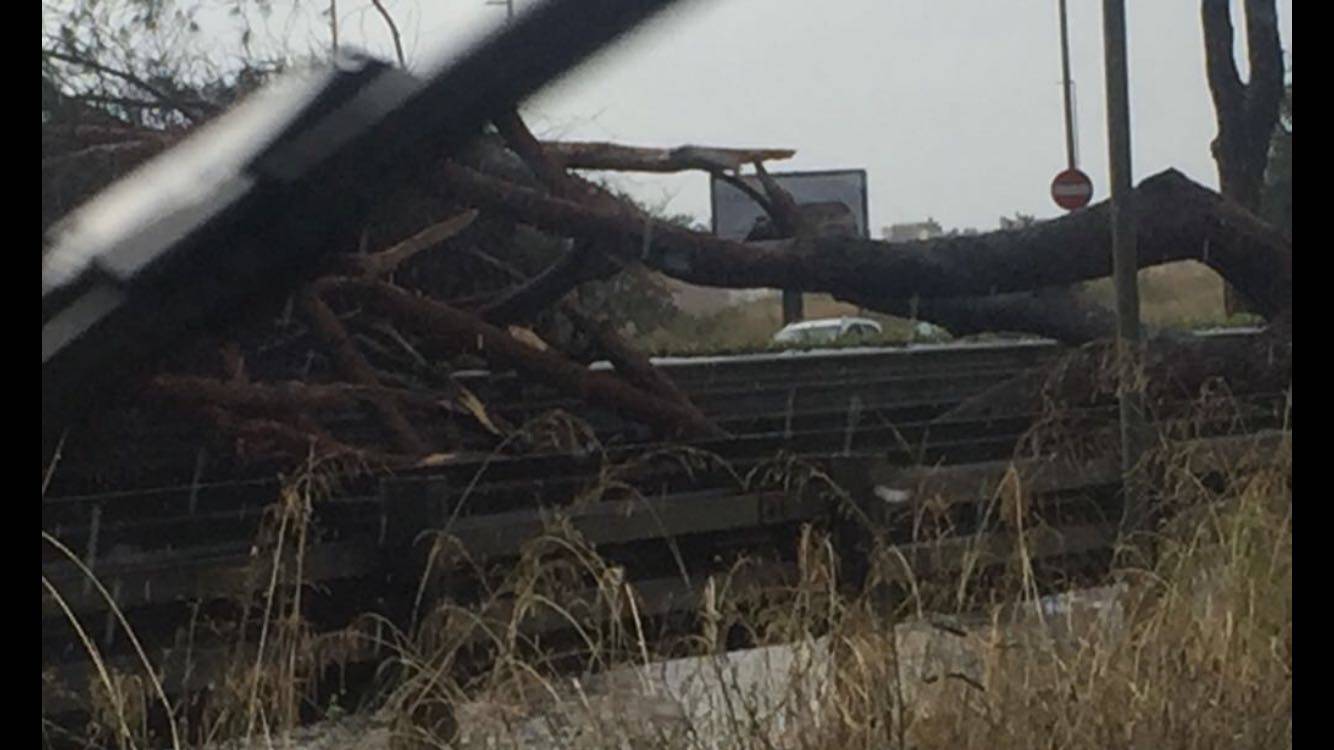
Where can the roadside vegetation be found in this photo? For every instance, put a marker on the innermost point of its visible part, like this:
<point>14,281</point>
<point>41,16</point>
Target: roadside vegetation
<point>1183,296</point>
<point>1191,648</point>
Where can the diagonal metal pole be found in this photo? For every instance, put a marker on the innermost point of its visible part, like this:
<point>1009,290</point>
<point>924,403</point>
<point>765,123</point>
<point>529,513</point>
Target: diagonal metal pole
<point>1125,265</point>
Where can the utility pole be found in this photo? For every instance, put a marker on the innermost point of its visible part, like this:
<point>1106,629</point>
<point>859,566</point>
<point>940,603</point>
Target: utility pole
<point>1125,267</point>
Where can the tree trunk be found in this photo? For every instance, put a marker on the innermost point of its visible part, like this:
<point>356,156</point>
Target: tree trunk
<point>1246,113</point>
<point>1180,220</point>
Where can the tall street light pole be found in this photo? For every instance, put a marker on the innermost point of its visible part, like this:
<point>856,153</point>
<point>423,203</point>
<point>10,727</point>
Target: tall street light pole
<point>1125,266</point>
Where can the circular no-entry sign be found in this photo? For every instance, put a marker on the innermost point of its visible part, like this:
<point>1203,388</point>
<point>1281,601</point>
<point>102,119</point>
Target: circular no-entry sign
<point>1071,189</point>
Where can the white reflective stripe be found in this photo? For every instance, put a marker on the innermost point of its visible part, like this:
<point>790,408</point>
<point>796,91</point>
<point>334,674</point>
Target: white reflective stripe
<point>1072,189</point>
<point>891,495</point>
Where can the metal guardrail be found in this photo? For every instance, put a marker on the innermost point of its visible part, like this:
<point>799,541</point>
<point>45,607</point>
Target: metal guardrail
<point>166,583</point>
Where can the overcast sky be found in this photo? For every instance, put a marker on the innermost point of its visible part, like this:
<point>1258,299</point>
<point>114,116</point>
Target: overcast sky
<point>952,106</point>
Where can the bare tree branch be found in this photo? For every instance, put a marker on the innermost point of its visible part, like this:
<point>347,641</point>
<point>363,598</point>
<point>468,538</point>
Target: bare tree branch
<point>387,261</point>
<point>548,167</point>
<point>578,265</point>
<point>785,212</point>
<point>617,157</point>
<point>393,30</point>
<point>194,111</point>
<point>1219,65</point>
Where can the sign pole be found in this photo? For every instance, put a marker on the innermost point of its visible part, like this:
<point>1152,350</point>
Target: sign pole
<point>1071,189</point>
<point>1125,266</point>
<point>1066,85</point>
<point>793,309</point>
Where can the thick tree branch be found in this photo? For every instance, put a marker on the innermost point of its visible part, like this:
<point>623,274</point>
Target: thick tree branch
<point>327,326</point>
<point>1179,220</point>
<point>387,261</point>
<point>760,198</point>
<point>782,207</point>
<point>578,265</point>
<point>1246,113</point>
<point>585,261</point>
<point>1219,65</point>
<point>630,363</point>
<point>548,168</point>
<point>471,334</point>
<point>1264,90</point>
<point>612,156</point>
<point>283,398</point>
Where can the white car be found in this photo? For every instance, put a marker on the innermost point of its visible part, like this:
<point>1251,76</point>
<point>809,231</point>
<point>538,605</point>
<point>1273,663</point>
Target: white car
<point>827,331</point>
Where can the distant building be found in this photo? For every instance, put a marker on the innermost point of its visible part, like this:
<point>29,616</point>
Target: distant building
<point>920,230</point>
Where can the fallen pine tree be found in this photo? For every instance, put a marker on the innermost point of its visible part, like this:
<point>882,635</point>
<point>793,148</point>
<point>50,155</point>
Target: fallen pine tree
<point>488,260</point>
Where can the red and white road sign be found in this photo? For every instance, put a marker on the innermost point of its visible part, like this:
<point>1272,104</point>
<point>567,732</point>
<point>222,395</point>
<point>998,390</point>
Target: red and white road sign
<point>1071,189</point>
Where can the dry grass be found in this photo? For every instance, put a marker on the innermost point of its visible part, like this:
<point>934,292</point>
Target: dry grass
<point>750,325</point>
<point>1175,295</point>
<point>1187,294</point>
<point>1193,651</point>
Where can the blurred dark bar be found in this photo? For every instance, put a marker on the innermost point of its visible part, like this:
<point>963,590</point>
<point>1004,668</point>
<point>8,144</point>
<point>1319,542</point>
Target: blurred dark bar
<point>140,265</point>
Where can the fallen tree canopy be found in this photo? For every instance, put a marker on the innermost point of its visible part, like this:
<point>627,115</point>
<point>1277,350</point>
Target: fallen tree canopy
<point>438,282</point>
